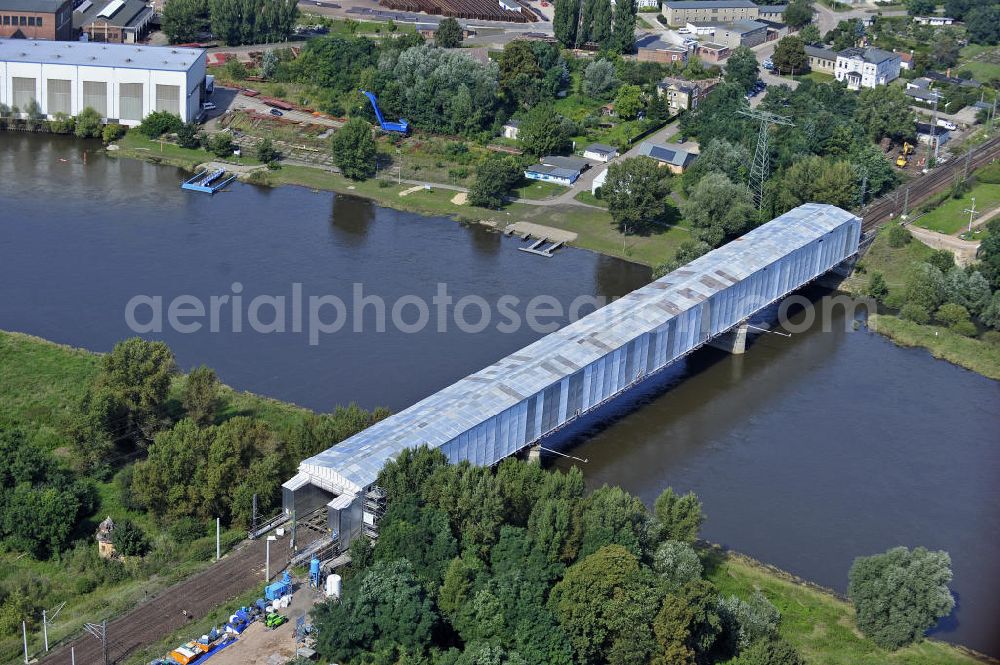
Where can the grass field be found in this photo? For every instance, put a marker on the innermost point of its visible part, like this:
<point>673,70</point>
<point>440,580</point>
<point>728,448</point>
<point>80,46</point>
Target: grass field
<point>983,62</point>
<point>950,217</point>
<point>137,146</point>
<point>817,77</point>
<point>820,625</point>
<point>537,190</point>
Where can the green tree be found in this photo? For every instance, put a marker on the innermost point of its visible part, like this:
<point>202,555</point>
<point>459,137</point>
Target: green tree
<point>129,539</point>
<point>269,63</point>
<point>745,622</point>
<point>877,287</point>
<point>265,151</point>
<point>687,251</point>
<point>718,209</point>
<point>718,156</point>
<point>448,34</point>
<point>741,68</point>
<point>677,564</point>
<point>628,102</point>
<point>599,79</point>
<point>687,624</point>
<point>955,317</point>
<point>991,313</point>
<point>884,111</point>
<point>898,595</point>
<point>678,517</point>
<point>88,124</point>
<point>798,13</point>
<point>544,132</point>
<point>112,132</point>
<point>898,236</point>
<point>604,602</point>
<point>983,24</point>
<point>187,136</point>
<point>185,20</point>
<point>623,30</point>
<point>920,7</point>
<point>158,123</point>
<point>354,150</point>
<point>406,474</point>
<point>774,651</point>
<point>494,179</point>
<point>815,179</point>
<point>613,516</point>
<point>201,395</point>
<point>635,191</point>
<point>809,34</point>
<point>600,30</point>
<point>790,55</point>
<point>925,286</point>
<point>220,144</point>
<point>564,22</point>
<point>252,21</point>
<point>138,373</point>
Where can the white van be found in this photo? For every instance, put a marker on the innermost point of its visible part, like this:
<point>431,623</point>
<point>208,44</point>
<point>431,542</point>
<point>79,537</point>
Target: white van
<point>947,124</point>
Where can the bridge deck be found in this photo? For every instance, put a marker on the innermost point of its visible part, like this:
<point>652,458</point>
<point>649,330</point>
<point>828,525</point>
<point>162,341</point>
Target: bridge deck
<point>502,408</point>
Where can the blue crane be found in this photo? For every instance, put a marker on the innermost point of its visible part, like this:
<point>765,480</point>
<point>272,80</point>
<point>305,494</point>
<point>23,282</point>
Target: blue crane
<point>401,127</point>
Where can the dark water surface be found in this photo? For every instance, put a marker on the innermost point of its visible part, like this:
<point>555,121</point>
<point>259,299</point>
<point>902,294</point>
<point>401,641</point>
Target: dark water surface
<point>806,452</point>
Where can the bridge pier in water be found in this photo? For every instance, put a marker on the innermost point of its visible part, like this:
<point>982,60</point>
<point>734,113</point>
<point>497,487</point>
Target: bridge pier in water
<point>734,341</point>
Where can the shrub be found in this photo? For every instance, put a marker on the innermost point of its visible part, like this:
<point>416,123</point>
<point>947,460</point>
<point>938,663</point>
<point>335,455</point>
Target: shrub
<point>129,539</point>
<point>916,313</point>
<point>942,259</point>
<point>62,124</point>
<point>88,124</point>
<point>111,132</point>
<point>746,622</point>
<point>950,313</point>
<point>992,337</point>
<point>159,123</point>
<point>187,136</point>
<point>964,328</point>
<point>899,236</point>
<point>187,529</point>
<point>220,145</point>
<point>877,288</point>
<point>266,152</point>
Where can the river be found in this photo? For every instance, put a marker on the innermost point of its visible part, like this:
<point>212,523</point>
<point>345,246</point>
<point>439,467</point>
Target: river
<point>806,452</point>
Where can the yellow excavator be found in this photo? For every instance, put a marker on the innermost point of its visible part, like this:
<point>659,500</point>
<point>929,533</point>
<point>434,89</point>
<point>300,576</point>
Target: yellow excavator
<point>904,155</point>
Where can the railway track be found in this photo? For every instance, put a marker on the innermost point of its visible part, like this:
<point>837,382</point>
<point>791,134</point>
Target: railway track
<point>925,186</point>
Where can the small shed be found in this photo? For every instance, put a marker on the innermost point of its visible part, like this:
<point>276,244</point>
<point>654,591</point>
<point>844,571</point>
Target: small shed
<point>511,129</point>
<point>600,152</point>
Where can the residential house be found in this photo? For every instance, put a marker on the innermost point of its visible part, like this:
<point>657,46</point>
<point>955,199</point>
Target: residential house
<point>560,170</point>
<point>681,12</point>
<point>923,95</point>
<point>905,59</point>
<point>741,33</point>
<point>600,152</point>
<point>821,59</point>
<point>866,67</point>
<point>511,129</point>
<point>674,159</point>
<point>952,80</point>
<point>572,163</point>
<point>37,19</point>
<point>683,95</point>
<point>652,49</point>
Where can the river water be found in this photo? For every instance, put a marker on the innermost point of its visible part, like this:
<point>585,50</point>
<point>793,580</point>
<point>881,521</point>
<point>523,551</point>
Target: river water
<point>806,452</point>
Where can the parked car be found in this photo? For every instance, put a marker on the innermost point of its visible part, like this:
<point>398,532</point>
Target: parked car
<point>208,106</point>
<point>683,31</point>
<point>947,124</point>
<point>768,64</point>
<point>276,112</point>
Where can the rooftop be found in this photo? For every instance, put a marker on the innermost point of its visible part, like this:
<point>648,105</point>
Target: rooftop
<point>772,9</point>
<point>654,42</point>
<point>820,52</point>
<point>117,13</point>
<point>871,55</point>
<point>743,27</point>
<point>674,156</point>
<point>710,4</point>
<point>572,163</point>
<point>41,6</point>
<point>99,54</point>
<point>354,464</point>
<point>601,147</point>
<point>554,171</point>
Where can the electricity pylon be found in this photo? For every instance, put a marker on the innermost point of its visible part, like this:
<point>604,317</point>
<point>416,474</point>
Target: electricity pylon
<point>758,170</point>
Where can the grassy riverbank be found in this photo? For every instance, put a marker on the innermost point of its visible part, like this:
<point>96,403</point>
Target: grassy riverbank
<point>42,380</point>
<point>894,263</point>
<point>594,227</point>
<point>817,622</point>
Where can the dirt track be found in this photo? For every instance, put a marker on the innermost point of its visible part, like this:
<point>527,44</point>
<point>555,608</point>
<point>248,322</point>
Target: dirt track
<point>157,618</point>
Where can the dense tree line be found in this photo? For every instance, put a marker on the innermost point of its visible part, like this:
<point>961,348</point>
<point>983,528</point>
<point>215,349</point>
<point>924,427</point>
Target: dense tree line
<point>232,21</point>
<point>578,22</point>
<point>520,565</point>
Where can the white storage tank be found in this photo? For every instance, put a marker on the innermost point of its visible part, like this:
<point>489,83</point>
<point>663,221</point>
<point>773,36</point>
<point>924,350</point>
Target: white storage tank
<point>333,585</point>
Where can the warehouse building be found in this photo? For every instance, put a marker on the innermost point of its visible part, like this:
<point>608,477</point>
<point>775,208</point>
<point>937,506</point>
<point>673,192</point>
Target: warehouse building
<point>683,12</point>
<point>539,389</point>
<point>114,21</point>
<point>741,33</point>
<point>123,83</point>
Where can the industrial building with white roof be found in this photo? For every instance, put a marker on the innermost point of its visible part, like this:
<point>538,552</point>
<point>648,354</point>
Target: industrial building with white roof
<point>122,82</point>
<point>511,404</point>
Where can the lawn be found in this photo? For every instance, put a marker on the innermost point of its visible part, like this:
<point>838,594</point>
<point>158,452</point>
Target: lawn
<point>892,262</point>
<point>950,217</point>
<point>983,62</point>
<point>816,77</point>
<point>820,625</point>
<point>590,199</point>
<point>138,146</point>
<point>537,190</point>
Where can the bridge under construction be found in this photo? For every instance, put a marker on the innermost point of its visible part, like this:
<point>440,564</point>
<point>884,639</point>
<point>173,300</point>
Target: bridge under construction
<point>512,404</point>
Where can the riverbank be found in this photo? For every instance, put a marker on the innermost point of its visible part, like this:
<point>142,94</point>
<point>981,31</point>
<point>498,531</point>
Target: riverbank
<point>593,226</point>
<point>41,379</point>
<point>974,353</point>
